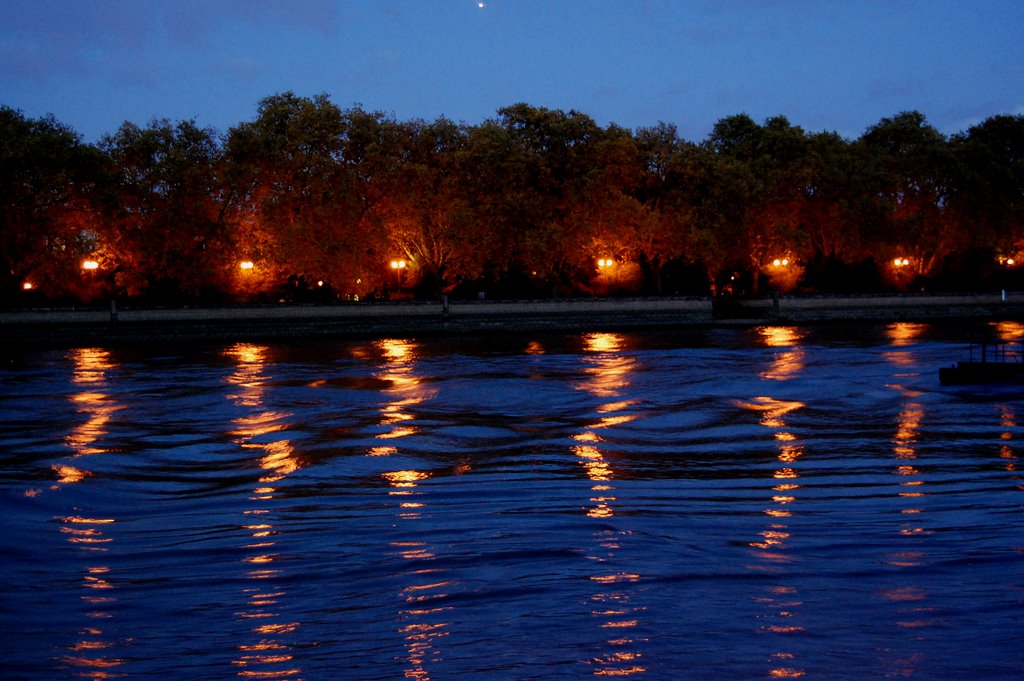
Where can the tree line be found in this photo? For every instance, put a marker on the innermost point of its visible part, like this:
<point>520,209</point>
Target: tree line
<point>310,201</point>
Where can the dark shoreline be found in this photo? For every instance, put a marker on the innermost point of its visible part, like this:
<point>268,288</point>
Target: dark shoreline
<point>104,327</point>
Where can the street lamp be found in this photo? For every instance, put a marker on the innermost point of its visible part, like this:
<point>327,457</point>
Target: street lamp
<point>605,262</point>
<point>900,262</point>
<point>27,286</point>
<point>246,265</point>
<point>90,266</point>
<point>780,262</point>
<point>398,265</point>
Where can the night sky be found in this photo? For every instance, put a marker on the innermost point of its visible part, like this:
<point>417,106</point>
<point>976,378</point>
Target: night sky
<point>826,65</point>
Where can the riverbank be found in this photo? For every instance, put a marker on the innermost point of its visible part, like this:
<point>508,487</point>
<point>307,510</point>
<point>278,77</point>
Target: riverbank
<point>123,325</point>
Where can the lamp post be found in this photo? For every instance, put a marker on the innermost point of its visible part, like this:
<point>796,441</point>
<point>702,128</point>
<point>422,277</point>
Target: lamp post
<point>899,266</point>
<point>398,265</point>
<point>90,266</point>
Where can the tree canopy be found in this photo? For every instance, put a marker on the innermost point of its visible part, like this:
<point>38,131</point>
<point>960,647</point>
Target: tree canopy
<point>311,201</point>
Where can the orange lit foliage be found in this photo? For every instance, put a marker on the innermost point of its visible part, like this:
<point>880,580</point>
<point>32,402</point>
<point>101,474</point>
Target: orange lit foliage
<point>554,152</point>
<point>840,199</point>
<point>301,198</point>
<point>170,239</point>
<point>423,211</point>
<point>252,241</point>
<point>989,192</point>
<point>503,201</point>
<point>915,166</point>
<point>48,205</point>
<point>524,203</point>
<point>664,225</point>
<point>607,220</point>
<point>85,234</point>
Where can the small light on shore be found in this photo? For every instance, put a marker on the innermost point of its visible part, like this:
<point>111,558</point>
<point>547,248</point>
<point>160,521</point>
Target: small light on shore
<point>27,286</point>
<point>398,264</point>
<point>90,265</point>
<point>605,262</point>
<point>246,264</point>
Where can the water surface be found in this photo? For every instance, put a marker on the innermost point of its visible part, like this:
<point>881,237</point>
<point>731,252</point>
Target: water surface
<point>716,504</point>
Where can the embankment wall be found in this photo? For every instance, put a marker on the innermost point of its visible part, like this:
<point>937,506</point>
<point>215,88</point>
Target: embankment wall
<point>129,325</point>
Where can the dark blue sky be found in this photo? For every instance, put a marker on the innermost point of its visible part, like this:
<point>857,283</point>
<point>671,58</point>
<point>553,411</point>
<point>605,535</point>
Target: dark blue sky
<point>825,64</point>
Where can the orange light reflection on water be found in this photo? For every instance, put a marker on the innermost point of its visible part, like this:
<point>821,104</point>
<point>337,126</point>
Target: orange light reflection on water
<point>904,333</point>
<point>608,370</point>
<point>69,474</point>
<point>421,627</point>
<point>91,366</point>
<point>1010,332</point>
<point>92,655</point>
<point>405,479</point>
<point>269,657</point>
<point>912,610</point>
<point>781,602</point>
<point>609,373</point>
<point>1008,421</point>
<point>787,363</point>
<point>405,390</point>
<point>904,447</point>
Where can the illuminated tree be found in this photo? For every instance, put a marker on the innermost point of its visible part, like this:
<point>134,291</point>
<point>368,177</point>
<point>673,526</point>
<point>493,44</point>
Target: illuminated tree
<point>51,200</point>
<point>672,192</point>
<point>170,235</point>
<point>988,194</point>
<point>916,167</point>
<point>424,211</point>
<point>300,172</point>
<point>528,203</point>
<point>551,154</point>
<point>608,227</point>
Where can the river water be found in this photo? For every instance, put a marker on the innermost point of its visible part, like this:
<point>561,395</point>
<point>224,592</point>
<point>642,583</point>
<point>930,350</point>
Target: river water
<point>709,504</point>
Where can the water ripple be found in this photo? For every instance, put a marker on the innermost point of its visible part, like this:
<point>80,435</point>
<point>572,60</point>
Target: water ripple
<point>762,503</point>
